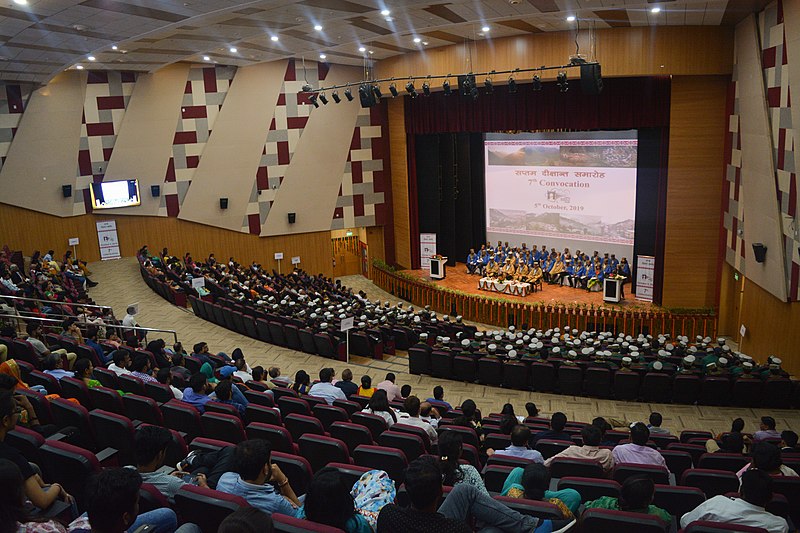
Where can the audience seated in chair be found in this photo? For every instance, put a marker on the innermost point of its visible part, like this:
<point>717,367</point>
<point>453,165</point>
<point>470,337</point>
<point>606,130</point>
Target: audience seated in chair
<point>636,496</point>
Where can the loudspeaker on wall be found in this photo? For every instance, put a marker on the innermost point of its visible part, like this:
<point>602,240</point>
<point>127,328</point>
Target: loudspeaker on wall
<point>760,251</point>
<point>591,78</point>
<point>223,203</point>
<point>292,218</point>
<point>155,191</point>
<point>66,190</point>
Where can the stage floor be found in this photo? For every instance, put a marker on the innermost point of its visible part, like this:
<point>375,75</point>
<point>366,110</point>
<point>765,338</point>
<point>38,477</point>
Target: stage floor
<point>458,279</point>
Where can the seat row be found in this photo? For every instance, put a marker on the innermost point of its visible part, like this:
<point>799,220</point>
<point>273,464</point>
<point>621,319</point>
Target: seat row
<point>547,376</point>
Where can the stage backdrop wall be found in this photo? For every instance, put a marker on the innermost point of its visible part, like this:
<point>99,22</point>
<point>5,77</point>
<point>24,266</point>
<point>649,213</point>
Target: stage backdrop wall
<point>447,168</point>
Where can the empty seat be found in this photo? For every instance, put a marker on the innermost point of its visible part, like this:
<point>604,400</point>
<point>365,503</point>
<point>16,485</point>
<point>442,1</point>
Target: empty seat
<point>296,468</point>
<point>320,450</point>
<point>419,360</point>
<point>590,488</point>
<point>67,413</point>
<point>508,460</point>
<point>549,447</point>
<point>574,467</point>
<point>301,424</point>
<point>182,417</point>
<point>657,387</point>
<point>107,400</point>
<point>515,375</point>
<point>677,500</point>
<point>689,434</point>
<point>376,424</point>
<point>604,520</point>
<point>626,385</point>
<point>662,441</point>
<point>685,389</point>
<point>465,368</point>
<point>261,413</point>
<point>206,507</point>
<point>490,371</point>
<point>539,509</point>
<point>131,384</point>
<point>351,434</point>
<point>223,427</point>
<point>776,393</point>
<point>497,441</point>
<point>494,476</point>
<point>259,397</point>
<point>114,431</point>
<point>278,436</point>
<point>441,364</point>
<point>307,341</point>
<point>692,449</point>
<point>348,405</point>
<point>158,391</point>
<point>390,460</point>
<point>76,388</point>
<point>411,445</point>
<point>150,498</point>
<point>623,471</point>
<point>747,392</point>
<point>26,441</point>
<point>292,334</point>
<point>733,462</point>
<point>570,380</point>
<point>543,376</point>
<point>414,430</point>
<point>289,405</point>
<point>597,382</point>
<point>711,482</point>
<point>715,390</point>
<point>789,486</point>
<point>677,461</point>
<point>143,409</point>
<point>290,524</point>
<point>328,414</point>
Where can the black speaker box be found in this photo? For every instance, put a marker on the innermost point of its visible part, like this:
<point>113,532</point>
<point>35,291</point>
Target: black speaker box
<point>66,190</point>
<point>155,191</point>
<point>760,251</point>
<point>591,78</point>
<point>223,203</point>
<point>292,218</point>
<point>366,96</point>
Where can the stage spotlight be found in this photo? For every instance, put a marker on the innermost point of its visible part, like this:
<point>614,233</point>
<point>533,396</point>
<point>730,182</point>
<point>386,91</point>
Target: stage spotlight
<point>488,85</point>
<point>393,89</point>
<point>446,87</point>
<point>348,94</point>
<point>537,83</point>
<point>473,92</point>
<point>335,96</point>
<point>512,85</point>
<point>411,90</point>
<point>376,90</point>
<point>313,100</point>
<point>307,88</point>
<point>323,98</point>
<point>426,88</point>
<point>366,96</point>
<point>562,82</point>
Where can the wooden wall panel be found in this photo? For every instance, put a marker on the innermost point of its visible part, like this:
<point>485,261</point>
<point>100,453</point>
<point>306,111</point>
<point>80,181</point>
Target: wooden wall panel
<point>28,230</point>
<point>639,51</point>
<point>375,246</point>
<point>399,176</point>
<point>730,296</point>
<point>696,144</point>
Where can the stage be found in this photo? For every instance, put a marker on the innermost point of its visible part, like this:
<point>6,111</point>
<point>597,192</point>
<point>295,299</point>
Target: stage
<point>458,279</point>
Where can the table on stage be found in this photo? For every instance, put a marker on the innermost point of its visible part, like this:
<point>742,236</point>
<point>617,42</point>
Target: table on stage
<point>505,287</point>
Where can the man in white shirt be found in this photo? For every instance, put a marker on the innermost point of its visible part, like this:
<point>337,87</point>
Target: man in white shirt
<point>637,451</point>
<point>54,366</point>
<point>392,390</point>
<point>519,446</point>
<point>748,510</point>
<point>325,389</point>
<point>412,406</point>
<point>122,360</point>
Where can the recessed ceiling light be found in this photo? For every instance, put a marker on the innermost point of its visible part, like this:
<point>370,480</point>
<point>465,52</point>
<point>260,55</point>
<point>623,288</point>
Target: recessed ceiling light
<point>274,38</point>
<point>417,40</point>
<point>21,2</point>
<point>571,18</point>
<point>233,49</point>
<point>206,58</point>
<point>425,43</point>
<point>323,56</point>
<point>388,19</point>
<point>318,27</point>
<point>655,10</point>
<point>485,29</point>
<point>481,34</point>
<point>371,52</point>
<point>362,49</point>
<point>114,47</point>
<point>79,67</point>
<point>91,58</point>
<point>386,12</point>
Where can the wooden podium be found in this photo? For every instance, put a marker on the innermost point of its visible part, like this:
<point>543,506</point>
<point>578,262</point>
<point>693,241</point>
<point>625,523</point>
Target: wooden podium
<point>612,290</point>
<point>438,268</point>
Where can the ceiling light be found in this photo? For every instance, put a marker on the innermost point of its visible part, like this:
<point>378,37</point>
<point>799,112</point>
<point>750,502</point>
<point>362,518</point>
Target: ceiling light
<point>386,12</point>
<point>481,34</point>
<point>114,47</point>
<point>655,10</point>
<point>348,94</point>
<point>411,90</point>
<point>485,29</point>
<point>313,100</point>
<point>233,49</point>
<point>91,58</point>
<point>323,98</point>
<point>206,58</point>
<point>274,38</point>
<point>323,56</point>
<point>21,2</point>
<point>512,85</point>
<point>336,97</point>
<point>425,43</point>
<point>393,89</point>
<point>446,87</point>
<point>362,49</point>
<point>371,52</point>
<point>79,67</point>
<point>388,19</point>
<point>571,18</point>
<point>417,40</point>
<point>318,27</point>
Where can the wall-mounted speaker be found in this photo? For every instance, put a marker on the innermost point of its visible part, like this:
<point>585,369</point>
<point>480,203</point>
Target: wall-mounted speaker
<point>292,217</point>
<point>591,79</point>
<point>66,190</point>
<point>223,203</point>
<point>155,191</point>
<point>760,251</point>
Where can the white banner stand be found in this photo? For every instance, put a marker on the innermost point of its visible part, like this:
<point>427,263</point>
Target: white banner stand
<point>427,249</point>
<point>645,277</point>
<point>279,256</point>
<point>346,326</point>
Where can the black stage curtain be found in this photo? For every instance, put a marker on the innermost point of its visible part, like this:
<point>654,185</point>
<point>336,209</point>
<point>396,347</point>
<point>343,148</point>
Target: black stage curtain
<point>446,167</point>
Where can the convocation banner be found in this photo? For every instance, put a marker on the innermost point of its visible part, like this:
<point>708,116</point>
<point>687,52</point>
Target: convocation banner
<point>108,240</point>
<point>645,276</point>
<point>427,249</point>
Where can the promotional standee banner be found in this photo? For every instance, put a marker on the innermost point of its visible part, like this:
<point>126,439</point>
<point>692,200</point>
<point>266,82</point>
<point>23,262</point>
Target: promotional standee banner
<point>108,240</point>
<point>645,274</point>
<point>427,249</point>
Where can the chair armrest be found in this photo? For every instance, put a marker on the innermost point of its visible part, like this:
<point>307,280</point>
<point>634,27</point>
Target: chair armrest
<point>107,457</point>
<point>57,436</point>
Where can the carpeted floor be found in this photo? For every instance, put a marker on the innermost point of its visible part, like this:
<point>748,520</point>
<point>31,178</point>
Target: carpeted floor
<point>121,285</point>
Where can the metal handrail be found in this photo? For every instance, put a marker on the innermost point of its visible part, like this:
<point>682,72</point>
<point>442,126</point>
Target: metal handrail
<point>51,302</point>
<point>127,328</point>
